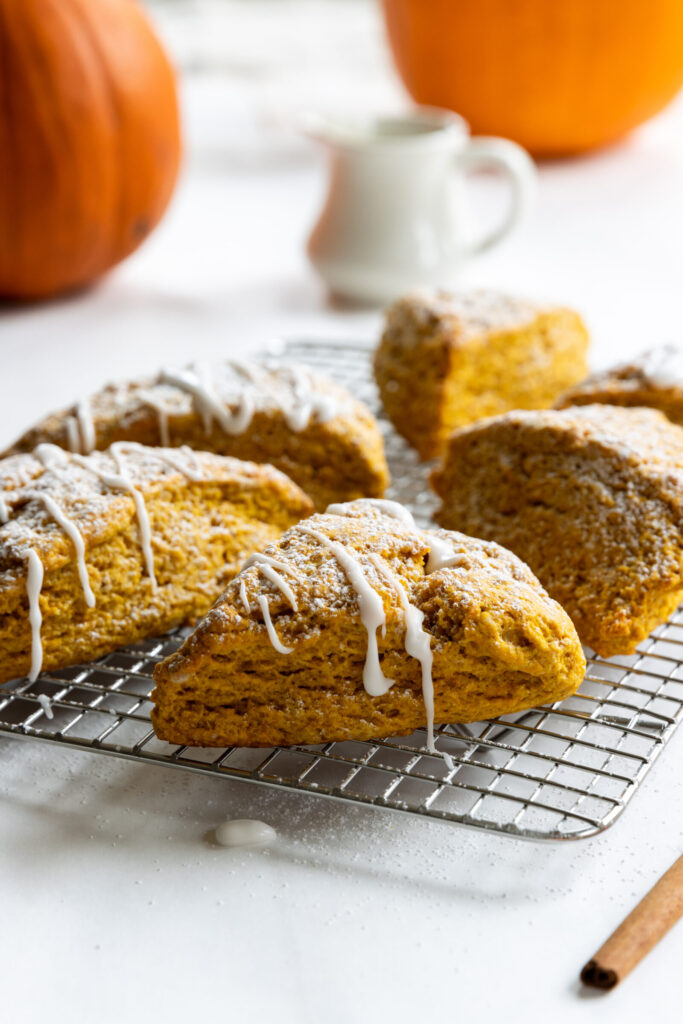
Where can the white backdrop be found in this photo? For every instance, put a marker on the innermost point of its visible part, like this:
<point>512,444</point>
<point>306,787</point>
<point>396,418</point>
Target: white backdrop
<point>114,908</point>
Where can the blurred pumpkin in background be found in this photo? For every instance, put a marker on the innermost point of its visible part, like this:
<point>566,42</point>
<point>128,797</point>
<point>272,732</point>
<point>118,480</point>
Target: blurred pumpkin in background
<point>557,76</point>
<point>89,140</point>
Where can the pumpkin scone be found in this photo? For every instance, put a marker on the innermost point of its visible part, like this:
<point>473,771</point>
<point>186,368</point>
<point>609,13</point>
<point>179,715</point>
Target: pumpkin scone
<point>591,498</point>
<point>654,379</point>
<point>445,360</point>
<point>301,422</point>
<point>358,625</point>
<point>102,550</point>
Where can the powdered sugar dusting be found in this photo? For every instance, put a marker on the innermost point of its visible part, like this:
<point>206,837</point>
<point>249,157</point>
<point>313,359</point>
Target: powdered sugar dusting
<point>55,490</point>
<point>50,487</point>
<point>467,314</point>
<point>361,575</point>
<point>228,394</point>
<point>609,476</point>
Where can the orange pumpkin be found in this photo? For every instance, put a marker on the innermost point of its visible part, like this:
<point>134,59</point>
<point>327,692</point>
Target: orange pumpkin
<point>557,76</point>
<point>89,140</point>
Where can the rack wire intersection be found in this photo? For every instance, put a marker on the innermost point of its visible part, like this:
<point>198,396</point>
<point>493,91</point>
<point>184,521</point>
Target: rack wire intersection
<point>564,771</point>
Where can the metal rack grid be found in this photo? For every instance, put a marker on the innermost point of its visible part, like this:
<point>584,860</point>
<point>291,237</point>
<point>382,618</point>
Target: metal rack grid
<point>564,771</point>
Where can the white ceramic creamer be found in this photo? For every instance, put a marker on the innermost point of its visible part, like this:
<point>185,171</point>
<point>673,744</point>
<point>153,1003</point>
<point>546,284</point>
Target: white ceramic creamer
<point>397,213</point>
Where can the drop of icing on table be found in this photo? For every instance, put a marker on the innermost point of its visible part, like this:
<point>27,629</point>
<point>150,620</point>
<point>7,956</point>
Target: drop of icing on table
<point>245,832</point>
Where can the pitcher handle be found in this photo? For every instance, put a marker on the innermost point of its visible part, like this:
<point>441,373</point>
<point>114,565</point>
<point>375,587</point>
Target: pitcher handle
<point>486,153</point>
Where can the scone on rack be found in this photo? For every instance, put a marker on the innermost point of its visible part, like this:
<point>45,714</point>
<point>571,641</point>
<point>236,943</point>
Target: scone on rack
<point>359,625</point>
<point>591,498</point>
<point>299,421</point>
<point>654,379</point>
<point>446,360</point>
<point>102,550</point>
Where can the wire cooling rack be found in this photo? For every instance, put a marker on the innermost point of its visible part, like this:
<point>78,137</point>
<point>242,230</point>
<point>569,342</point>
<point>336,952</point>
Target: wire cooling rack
<point>564,771</point>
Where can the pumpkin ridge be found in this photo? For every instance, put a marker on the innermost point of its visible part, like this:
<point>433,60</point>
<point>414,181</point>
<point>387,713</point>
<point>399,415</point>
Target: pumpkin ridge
<point>116,121</point>
<point>96,251</point>
<point>25,59</point>
<point>7,165</point>
<point>90,140</point>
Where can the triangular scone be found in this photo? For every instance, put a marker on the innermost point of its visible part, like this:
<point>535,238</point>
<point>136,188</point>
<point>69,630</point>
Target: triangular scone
<point>591,498</point>
<point>447,359</point>
<point>299,421</point>
<point>654,379</point>
<point>304,644</point>
<point>101,550</point>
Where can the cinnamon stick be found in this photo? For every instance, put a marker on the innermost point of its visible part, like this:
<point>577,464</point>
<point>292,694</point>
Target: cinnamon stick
<point>647,923</point>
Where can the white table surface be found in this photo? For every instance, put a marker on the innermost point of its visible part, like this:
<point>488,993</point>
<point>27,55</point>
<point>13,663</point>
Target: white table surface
<point>114,906</point>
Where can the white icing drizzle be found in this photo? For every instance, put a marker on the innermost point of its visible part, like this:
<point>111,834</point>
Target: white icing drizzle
<point>162,412</point>
<point>46,705</point>
<point>73,435</point>
<point>120,481</point>
<point>86,425</point>
<point>192,468</point>
<point>197,381</point>
<point>307,403</point>
<point>663,366</point>
<point>51,457</point>
<point>269,566</point>
<point>243,597</point>
<point>230,393</point>
<point>34,585</point>
<point>244,832</point>
<point>56,460</point>
<point>118,454</point>
<point>272,635</point>
<point>74,534</point>
<point>393,509</point>
<point>188,466</point>
<point>371,609</point>
<point>441,554</point>
<point>417,642</point>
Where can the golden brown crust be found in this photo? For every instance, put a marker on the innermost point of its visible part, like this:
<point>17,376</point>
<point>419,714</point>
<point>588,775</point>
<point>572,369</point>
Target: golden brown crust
<point>448,360</point>
<point>335,454</point>
<point>591,498</point>
<point>629,384</point>
<point>202,524</point>
<point>499,642</point>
